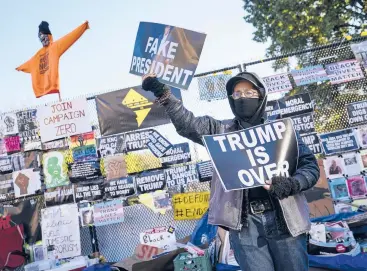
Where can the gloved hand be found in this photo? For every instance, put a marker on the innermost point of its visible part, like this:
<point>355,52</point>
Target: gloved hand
<point>283,187</point>
<point>151,83</point>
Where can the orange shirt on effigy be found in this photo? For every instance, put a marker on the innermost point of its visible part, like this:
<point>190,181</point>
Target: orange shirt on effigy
<point>44,65</point>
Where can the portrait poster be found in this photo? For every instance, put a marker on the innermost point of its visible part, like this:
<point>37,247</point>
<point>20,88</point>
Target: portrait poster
<point>364,159</point>
<point>342,208</point>
<point>357,187</point>
<point>334,167</point>
<point>26,182</point>
<point>353,163</point>
<point>86,215</point>
<point>55,169</point>
<point>8,124</point>
<point>338,189</point>
<point>362,136</point>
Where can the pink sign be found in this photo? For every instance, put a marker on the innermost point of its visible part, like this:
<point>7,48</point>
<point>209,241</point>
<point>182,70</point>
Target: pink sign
<point>12,143</point>
<point>357,187</point>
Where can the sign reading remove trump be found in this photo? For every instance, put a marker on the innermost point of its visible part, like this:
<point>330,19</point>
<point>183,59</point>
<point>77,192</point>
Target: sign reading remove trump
<point>171,52</point>
<point>248,158</point>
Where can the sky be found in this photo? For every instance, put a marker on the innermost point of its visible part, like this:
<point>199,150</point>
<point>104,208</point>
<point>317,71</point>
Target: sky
<point>99,61</point>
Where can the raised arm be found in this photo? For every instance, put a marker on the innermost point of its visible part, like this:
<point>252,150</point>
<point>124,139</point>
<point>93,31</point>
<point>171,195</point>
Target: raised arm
<point>25,67</point>
<point>66,41</point>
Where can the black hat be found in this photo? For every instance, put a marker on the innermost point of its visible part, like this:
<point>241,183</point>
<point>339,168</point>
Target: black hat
<point>43,28</point>
<point>246,76</point>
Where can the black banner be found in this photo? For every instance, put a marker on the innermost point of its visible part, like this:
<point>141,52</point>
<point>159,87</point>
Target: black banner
<point>177,176</point>
<point>247,158</point>
<point>130,109</point>
<point>357,113</point>
<point>178,154</point>
<point>136,141</point>
<point>304,124</point>
<point>313,142</point>
<point>92,191</point>
<point>27,125</point>
<point>205,171</point>
<point>339,141</point>
<point>295,105</point>
<point>119,187</point>
<point>5,165</point>
<point>110,145</point>
<point>84,171</point>
<point>157,144</point>
<point>59,195</point>
<point>56,144</point>
<point>272,110</point>
<point>6,187</point>
<point>150,181</point>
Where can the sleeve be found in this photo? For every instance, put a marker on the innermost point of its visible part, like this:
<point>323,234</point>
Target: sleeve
<point>189,126</point>
<point>308,171</point>
<point>66,41</point>
<point>25,67</point>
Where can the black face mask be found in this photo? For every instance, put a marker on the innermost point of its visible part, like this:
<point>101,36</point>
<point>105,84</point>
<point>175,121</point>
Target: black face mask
<point>245,108</point>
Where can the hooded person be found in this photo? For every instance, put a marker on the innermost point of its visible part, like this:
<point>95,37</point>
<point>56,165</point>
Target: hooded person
<point>267,225</point>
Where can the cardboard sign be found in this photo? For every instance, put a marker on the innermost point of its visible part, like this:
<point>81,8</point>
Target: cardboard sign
<point>60,228</point>
<point>12,144</point>
<point>277,83</point>
<point>26,182</point>
<point>171,52</point>
<point>55,169</point>
<point>109,212</point>
<point>344,71</point>
<point>84,171</point>
<point>189,206</point>
<point>57,144</point>
<point>308,75</point>
<point>360,52</point>
<point>28,125</point>
<point>357,113</point>
<point>272,110</point>
<point>178,154</point>
<point>5,165</point>
<point>157,144</point>
<point>313,143</point>
<point>115,167</point>
<point>213,87</point>
<point>59,195</point>
<point>339,141</point>
<point>304,124</point>
<point>205,171</point>
<point>295,105</point>
<point>8,124</point>
<point>89,192</point>
<point>122,187</point>
<point>6,187</point>
<point>162,237</point>
<point>63,119</point>
<point>181,175</point>
<point>150,181</point>
<point>110,145</point>
<point>247,158</point>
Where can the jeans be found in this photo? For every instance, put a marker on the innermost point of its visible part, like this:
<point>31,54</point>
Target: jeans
<point>264,246</point>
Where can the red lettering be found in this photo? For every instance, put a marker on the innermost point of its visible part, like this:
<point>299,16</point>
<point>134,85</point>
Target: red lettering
<point>65,129</point>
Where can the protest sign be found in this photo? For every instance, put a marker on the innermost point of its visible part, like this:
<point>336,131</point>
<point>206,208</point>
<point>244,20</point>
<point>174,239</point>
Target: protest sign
<point>57,144</point>
<point>2,147</point>
<point>83,147</point>
<point>59,195</point>
<point>360,52</point>
<point>178,154</point>
<point>5,165</point>
<point>110,145</point>
<point>109,212</point>
<point>170,52</point>
<point>357,187</point>
<point>188,206</point>
<point>304,124</point>
<point>272,110</point>
<point>84,171</point>
<point>205,171</point>
<point>32,145</point>
<point>213,87</point>
<point>313,143</point>
<point>338,189</point>
<point>361,132</point>
<point>8,124</point>
<point>344,71</point>
<point>130,109</point>
<point>89,192</point>
<point>295,105</point>
<point>122,187</point>
<point>115,167</point>
<point>12,144</point>
<point>150,181</point>
<point>308,75</point>
<point>55,169</point>
<point>248,158</point>
<point>339,141</point>
<point>161,237</point>
<point>353,163</point>
<point>6,187</point>
<point>27,125</point>
<point>157,144</point>
<point>277,83</point>
<point>357,113</point>
<point>162,201</point>
<point>63,119</point>
<point>86,214</point>
<point>26,182</point>
<point>60,228</point>
<point>18,163</point>
<point>181,175</point>
<point>135,141</point>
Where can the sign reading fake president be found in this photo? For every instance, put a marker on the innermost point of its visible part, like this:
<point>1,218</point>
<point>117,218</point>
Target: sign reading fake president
<point>247,158</point>
<point>171,52</point>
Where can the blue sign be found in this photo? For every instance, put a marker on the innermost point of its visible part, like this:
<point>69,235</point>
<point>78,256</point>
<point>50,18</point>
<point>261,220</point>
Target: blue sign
<point>339,141</point>
<point>157,144</point>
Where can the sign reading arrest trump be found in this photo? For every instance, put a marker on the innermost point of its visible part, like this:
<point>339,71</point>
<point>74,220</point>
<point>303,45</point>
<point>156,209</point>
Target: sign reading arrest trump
<point>247,158</point>
<point>63,119</point>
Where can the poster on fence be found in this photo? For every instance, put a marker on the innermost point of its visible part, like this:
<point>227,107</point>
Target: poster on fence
<point>59,195</point>
<point>6,187</point>
<point>130,109</point>
<point>189,206</point>
<point>178,154</point>
<point>109,145</point>
<point>277,83</point>
<point>66,239</point>
<point>115,167</point>
<point>313,143</point>
<point>8,124</point>
<point>139,161</point>
<point>135,141</point>
<point>63,119</point>
<point>304,124</point>
<point>338,188</point>
<point>357,186</point>
<point>84,171</point>
<point>18,163</point>
<point>2,147</point>
<point>308,75</point>
<point>122,187</point>
<point>339,141</point>
<point>357,113</point>
<point>344,71</point>
<point>161,237</point>
<point>295,105</point>
<point>247,158</point>
<point>205,171</point>
<point>12,144</point>
<point>55,169</point>
<point>92,191</point>
<point>158,144</point>
<point>56,144</point>
<point>353,163</point>
<point>109,212</point>
<point>213,87</point>
<point>360,52</point>
<point>362,136</point>
<point>5,165</point>
<point>272,110</point>
<point>150,181</point>
<point>83,147</point>
<point>26,182</point>
<point>170,52</point>
<point>28,125</point>
<point>183,175</point>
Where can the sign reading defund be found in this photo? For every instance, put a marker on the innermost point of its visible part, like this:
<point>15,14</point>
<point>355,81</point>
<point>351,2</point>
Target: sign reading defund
<point>247,158</point>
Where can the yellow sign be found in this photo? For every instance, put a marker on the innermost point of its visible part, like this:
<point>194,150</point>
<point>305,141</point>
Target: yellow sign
<point>190,205</point>
<point>137,102</point>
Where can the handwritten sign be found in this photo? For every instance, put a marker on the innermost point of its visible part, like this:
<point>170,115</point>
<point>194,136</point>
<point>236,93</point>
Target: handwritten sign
<point>162,237</point>
<point>60,228</point>
<point>344,71</point>
<point>115,167</point>
<point>12,144</point>
<point>63,119</point>
<point>110,212</point>
<point>27,125</point>
<point>308,75</point>
<point>121,187</point>
<point>277,83</point>
<point>188,206</point>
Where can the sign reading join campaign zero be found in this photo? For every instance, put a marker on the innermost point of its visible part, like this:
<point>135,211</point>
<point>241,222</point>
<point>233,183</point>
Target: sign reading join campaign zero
<point>247,158</point>
<point>63,119</point>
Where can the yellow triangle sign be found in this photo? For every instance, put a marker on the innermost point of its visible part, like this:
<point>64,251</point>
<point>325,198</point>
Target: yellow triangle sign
<point>141,115</point>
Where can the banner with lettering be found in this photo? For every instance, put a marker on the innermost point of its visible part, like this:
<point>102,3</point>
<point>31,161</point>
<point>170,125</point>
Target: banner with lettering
<point>360,52</point>
<point>28,125</point>
<point>55,169</point>
<point>189,206</point>
<point>92,191</point>
<point>339,141</point>
<point>59,195</point>
<point>344,71</point>
<point>84,171</point>
<point>8,124</point>
<point>313,143</point>
<point>135,141</point>
<point>56,144</point>
<point>272,110</point>
<point>213,87</point>
<point>304,124</point>
<point>277,83</point>
<point>83,147</point>
<point>295,105</point>
<point>178,154</point>
<point>63,119</point>
<point>122,187</point>
<point>158,144</point>
<point>109,212</point>
<point>12,144</point>
<point>5,165</point>
<point>183,175</point>
<point>6,187</point>
<point>357,113</point>
<point>205,171</point>
<point>150,181</point>
<point>308,75</point>
<point>110,145</point>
